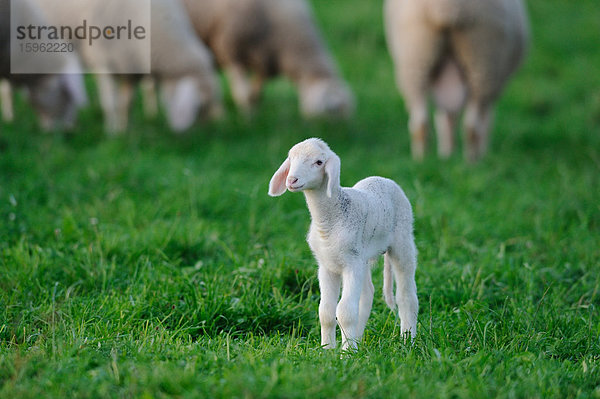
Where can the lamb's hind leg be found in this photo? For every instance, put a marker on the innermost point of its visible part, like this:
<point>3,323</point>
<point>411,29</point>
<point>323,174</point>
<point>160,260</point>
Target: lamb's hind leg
<point>403,259</point>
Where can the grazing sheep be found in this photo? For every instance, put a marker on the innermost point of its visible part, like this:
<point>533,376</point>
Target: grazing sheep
<point>56,98</point>
<point>256,39</point>
<point>462,51</point>
<point>350,229</point>
<point>179,61</point>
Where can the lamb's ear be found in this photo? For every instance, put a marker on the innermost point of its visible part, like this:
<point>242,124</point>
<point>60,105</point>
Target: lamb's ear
<point>277,183</point>
<point>332,170</point>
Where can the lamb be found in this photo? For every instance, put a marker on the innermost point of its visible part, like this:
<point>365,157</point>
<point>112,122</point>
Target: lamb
<point>350,229</point>
<point>55,97</point>
<point>463,51</point>
<point>254,40</point>
<point>180,63</point>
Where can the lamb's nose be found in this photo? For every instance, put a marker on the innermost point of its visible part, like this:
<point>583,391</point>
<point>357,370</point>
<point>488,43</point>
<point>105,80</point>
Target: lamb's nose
<point>291,180</point>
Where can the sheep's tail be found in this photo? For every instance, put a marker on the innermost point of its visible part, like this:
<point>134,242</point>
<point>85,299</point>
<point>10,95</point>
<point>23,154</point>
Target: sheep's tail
<point>388,287</point>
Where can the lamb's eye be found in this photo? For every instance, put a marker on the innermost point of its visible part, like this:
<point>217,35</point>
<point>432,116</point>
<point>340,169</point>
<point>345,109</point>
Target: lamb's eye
<point>319,163</point>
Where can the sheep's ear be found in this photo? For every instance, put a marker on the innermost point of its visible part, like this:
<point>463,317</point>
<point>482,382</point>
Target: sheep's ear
<point>277,183</point>
<point>332,170</point>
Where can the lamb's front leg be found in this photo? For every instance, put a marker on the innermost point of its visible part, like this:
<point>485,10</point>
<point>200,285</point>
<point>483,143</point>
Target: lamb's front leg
<point>329,284</point>
<point>365,304</point>
<point>348,308</point>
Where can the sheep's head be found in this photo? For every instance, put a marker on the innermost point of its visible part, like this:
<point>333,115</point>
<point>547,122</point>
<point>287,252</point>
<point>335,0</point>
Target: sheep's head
<point>326,97</point>
<point>186,98</point>
<point>310,165</point>
<point>57,99</point>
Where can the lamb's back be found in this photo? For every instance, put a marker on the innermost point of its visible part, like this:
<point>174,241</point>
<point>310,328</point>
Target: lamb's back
<point>387,205</point>
<point>382,189</point>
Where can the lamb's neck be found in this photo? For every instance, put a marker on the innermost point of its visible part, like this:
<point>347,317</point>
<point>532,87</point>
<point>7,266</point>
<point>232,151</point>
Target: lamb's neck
<point>324,210</point>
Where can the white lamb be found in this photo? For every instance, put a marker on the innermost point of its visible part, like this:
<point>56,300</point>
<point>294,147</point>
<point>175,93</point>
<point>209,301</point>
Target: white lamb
<point>254,40</point>
<point>350,229</point>
<point>461,50</point>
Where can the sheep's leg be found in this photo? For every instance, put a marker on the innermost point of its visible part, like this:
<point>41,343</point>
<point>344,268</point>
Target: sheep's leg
<point>348,308</point>
<point>241,87</point>
<point>149,98</point>
<point>445,123</point>
<point>256,89</point>
<point>486,71</point>
<point>365,304</point>
<point>477,123</point>
<point>125,97</point>
<point>449,92</point>
<point>329,284</point>
<point>107,88</point>
<point>403,259</point>
<point>6,100</point>
<point>487,125</point>
<point>417,49</point>
<point>418,129</point>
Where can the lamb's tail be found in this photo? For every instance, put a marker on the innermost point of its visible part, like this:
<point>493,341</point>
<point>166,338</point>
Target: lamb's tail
<point>388,286</point>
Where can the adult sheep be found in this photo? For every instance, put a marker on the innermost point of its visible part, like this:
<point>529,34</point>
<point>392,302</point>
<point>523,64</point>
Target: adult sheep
<point>462,51</point>
<point>179,62</point>
<point>254,40</point>
<point>56,98</point>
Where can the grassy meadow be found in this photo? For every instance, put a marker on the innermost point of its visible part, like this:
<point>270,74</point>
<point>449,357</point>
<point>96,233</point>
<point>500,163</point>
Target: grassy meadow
<point>153,265</point>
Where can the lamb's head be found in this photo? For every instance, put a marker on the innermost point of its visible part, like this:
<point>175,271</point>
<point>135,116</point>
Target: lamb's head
<point>310,165</point>
<point>326,97</point>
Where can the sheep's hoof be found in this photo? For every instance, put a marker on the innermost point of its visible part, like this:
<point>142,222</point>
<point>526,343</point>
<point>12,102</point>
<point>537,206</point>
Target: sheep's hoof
<point>472,155</point>
<point>418,152</point>
<point>475,146</point>
<point>445,151</point>
<point>418,143</point>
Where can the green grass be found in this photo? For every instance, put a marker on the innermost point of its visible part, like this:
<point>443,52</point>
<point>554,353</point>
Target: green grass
<point>156,266</point>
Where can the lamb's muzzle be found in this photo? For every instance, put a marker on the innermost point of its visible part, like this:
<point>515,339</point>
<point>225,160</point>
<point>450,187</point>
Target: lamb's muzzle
<point>350,229</point>
<point>291,181</point>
